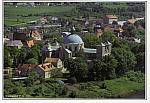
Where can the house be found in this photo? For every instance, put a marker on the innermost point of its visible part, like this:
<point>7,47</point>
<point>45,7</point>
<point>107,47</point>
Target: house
<point>24,69</point>
<point>18,36</point>
<point>98,30</point>
<point>131,21</point>
<point>35,34</point>
<point>55,61</point>
<point>28,43</point>
<point>110,18</point>
<point>7,72</point>
<point>14,43</point>
<point>44,70</point>
<point>118,31</point>
<point>44,20</point>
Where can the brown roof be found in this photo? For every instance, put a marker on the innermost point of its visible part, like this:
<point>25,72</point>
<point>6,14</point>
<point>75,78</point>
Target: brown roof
<point>118,30</point>
<point>26,67</point>
<point>111,16</point>
<point>46,66</point>
<point>34,33</point>
<point>132,21</point>
<point>28,43</point>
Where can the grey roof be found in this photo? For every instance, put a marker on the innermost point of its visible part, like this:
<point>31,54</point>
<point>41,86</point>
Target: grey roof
<point>73,38</point>
<point>14,43</point>
<point>89,50</point>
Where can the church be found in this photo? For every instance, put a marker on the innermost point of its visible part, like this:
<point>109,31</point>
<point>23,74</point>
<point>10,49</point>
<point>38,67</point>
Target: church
<point>72,45</point>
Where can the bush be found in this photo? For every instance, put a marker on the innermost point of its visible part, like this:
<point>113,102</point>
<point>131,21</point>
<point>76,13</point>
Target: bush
<point>72,80</point>
<point>135,76</point>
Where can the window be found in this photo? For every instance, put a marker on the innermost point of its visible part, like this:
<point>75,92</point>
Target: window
<point>75,48</point>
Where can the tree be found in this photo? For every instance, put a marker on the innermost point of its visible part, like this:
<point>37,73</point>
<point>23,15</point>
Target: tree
<point>8,87</point>
<point>126,60</point>
<point>91,40</point>
<point>77,68</point>
<point>103,69</point>
<point>56,73</point>
<point>32,78</point>
<point>109,36</point>
<point>19,89</point>
<point>8,60</point>
<point>32,61</point>
<point>129,30</point>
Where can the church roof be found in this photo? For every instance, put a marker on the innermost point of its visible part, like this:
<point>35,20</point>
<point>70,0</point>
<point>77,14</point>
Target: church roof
<point>73,38</point>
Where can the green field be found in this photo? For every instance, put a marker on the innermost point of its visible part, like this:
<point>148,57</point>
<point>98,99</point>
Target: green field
<point>26,14</point>
<point>119,87</point>
<point>115,6</point>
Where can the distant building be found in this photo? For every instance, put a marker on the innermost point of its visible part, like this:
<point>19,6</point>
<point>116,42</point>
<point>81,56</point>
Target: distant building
<point>28,43</point>
<point>131,21</point>
<point>118,31</point>
<point>110,18</point>
<point>14,43</point>
<point>98,30</point>
<point>35,34</point>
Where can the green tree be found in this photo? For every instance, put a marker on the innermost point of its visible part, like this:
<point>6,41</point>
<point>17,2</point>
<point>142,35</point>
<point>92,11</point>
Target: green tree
<point>8,60</point>
<point>32,78</point>
<point>77,67</point>
<point>108,36</point>
<point>103,69</point>
<point>8,87</point>
<point>32,61</point>
<point>91,40</point>
<point>126,60</point>
<point>56,73</point>
<point>19,89</point>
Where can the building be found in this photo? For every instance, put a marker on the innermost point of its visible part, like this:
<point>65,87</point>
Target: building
<point>14,43</point>
<point>131,21</point>
<point>7,72</point>
<point>73,42</point>
<point>98,30</point>
<point>55,61</point>
<point>73,45</point>
<point>24,69</point>
<point>35,34</point>
<point>28,43</point>
<point>118,31</point>
<point>44,70</point>
<point>110,18</point>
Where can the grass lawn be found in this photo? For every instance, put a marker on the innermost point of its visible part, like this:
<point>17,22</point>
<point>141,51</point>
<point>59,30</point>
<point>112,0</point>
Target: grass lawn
<point>119,87</point>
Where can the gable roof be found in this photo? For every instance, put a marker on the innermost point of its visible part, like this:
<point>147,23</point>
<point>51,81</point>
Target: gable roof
<point>26,67</point>
<point>28,43</point>
<point>46,66</point>
<point>132,21</point>
<point>14,43</point>
<point>35,33</point>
